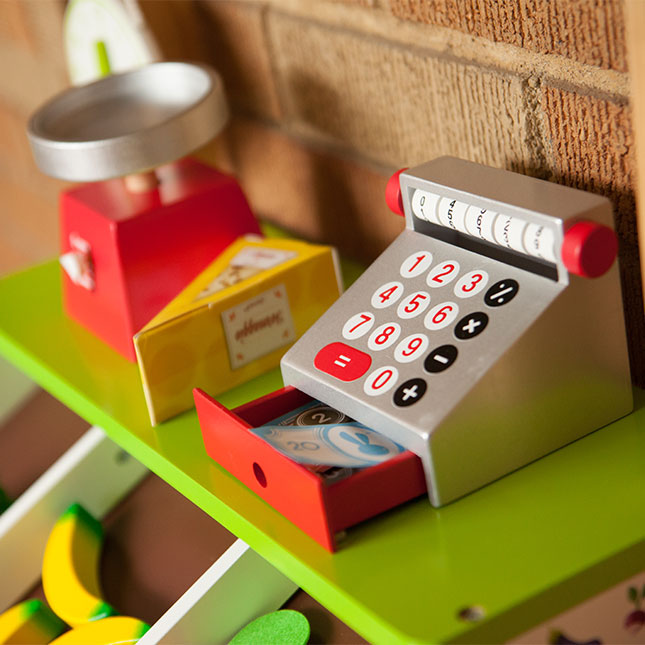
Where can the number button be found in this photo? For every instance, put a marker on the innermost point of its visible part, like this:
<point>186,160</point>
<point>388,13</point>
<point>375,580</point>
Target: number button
<point>411,348</point>
<point>387,295</point>
<point>413,305</point>
<point>409,392</point>
<point>440,359</point>
<point>441,316</point>
<point>358,325</point>
<point>471,284</point>
<point>384,336</point>
<point>416,264</point>
<point>381,380</point>
<point>501,292</point>
<point>442,274</point>
<point>471,325</point>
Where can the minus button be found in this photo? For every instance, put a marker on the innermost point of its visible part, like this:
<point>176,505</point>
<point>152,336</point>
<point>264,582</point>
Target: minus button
<point>440,359</point>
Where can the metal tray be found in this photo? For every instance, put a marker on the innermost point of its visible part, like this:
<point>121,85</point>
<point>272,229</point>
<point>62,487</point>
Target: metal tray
<point>128,123</point>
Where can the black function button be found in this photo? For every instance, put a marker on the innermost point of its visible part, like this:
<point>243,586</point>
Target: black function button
<point>440,359</point>
<point>501,292</point>
<point>471,325</point>
<point>410,392</point>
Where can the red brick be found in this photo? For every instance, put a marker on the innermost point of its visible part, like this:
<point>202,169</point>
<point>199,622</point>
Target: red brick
<point>28,227</point>
<point>14,23</point>
<point>592,147</point>
<point>586,31</point>
<point>398,106</point>
<point>14,146</point>
<point>313,193</point>
<point>237,46</point>
<point>227,35</point>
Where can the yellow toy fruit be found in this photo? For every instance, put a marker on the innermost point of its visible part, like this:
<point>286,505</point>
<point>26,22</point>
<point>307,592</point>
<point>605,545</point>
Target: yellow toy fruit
<point>70,568</point>
<point>108,631</point>
<point>29,623</point>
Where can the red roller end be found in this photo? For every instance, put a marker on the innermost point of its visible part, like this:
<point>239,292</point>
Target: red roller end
<point>589,249</point>
<point>393,193</point>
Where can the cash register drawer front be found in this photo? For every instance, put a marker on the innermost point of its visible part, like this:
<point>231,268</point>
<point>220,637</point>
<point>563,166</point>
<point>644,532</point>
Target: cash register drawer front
<point>320,510</point>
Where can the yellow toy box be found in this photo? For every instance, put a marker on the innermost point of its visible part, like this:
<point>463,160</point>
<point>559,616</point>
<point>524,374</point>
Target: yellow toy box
<point>234,321</point>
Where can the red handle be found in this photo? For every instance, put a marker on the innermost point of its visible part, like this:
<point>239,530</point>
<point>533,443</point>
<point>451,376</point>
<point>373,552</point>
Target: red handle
<point>589,249</point>
<point>393,193</point>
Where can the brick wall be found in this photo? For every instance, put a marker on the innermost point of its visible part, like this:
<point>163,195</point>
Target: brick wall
<point>329,97</point>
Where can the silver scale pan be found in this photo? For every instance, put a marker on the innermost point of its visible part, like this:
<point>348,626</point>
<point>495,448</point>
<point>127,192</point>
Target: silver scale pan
<point>128,123</point>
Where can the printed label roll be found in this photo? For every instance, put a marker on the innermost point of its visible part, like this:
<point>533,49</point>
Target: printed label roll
<point>509,231</point>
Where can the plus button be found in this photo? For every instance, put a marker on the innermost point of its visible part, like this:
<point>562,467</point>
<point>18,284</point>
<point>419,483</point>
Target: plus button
<point>409,392</point>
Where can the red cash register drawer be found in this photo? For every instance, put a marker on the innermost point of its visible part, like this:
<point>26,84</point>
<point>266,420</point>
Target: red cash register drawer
<point>321,509</point>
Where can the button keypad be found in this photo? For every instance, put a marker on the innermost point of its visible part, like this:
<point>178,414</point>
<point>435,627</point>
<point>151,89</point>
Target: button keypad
<point>433,301</point>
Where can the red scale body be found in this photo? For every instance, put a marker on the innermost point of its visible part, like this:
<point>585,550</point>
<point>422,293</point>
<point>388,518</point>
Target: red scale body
<point>146,247</point>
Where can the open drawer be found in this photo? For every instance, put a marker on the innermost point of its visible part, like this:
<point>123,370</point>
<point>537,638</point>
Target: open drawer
<point>320,508</point>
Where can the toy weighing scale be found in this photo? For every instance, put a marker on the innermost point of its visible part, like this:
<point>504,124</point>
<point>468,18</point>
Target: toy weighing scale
<point>106,37</point>
<point>141,228</point>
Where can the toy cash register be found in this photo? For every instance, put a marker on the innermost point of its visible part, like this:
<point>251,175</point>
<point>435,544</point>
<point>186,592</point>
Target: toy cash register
<point>488,334</point>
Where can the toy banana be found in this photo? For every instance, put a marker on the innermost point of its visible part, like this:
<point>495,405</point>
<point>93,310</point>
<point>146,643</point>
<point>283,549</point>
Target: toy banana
<point>108,631</point>
<point>29,623</point>
<point>70,568</point>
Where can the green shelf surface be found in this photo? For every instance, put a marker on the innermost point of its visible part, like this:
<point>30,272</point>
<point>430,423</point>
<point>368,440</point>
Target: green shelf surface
<point>523,548</point>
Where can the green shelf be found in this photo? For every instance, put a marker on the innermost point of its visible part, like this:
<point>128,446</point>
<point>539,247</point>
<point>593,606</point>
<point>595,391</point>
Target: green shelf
<point>528,546</point>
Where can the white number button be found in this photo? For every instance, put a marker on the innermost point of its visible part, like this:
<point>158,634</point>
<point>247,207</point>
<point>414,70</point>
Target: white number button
<point>358,325</point>
<point>471,284</point>
<point>413,305</point>
<point>381,380</point>
<point>384,336</point>
<point>411,348</point>
<point>443,274</point>
<point>387,295</point>
<point>416,264</point>
<point>441,316</point>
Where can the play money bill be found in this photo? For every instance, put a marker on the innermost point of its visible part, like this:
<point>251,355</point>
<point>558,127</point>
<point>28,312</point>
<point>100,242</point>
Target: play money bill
<point>313,413</point>
<point>347,445</point>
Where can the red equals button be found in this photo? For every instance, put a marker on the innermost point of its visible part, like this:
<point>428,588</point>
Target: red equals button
<point>342,361</point>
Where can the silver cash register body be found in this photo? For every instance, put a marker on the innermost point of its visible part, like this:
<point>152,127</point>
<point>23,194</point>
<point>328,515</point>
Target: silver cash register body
<point>510,357</point>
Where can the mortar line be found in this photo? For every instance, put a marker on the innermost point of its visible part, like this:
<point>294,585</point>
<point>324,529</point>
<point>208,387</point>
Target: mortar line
<point>455,46</point>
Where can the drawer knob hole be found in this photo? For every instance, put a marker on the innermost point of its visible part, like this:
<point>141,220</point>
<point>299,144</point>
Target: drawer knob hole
<point>259,475</point>
<point>472,614</point>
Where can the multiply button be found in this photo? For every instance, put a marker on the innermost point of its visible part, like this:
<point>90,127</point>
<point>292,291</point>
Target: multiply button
<point>501,292</point>
<point>471,325</point>
<point>409,392</point>
<point>440,359</point>
<point>342,361</point>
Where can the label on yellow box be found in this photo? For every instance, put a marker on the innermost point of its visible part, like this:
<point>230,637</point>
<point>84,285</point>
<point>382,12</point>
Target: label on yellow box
<point>258,326</point>
<point>234,321</point>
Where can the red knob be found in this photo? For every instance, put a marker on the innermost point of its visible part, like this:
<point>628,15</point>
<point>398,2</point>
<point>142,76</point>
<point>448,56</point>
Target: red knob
<point>393,193</point>
<point>589,249</point>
